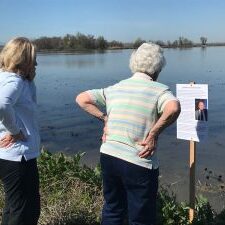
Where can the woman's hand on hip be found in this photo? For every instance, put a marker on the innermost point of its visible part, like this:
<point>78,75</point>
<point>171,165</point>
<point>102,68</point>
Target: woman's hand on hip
<point>149,146</point>
<point>9,139</point>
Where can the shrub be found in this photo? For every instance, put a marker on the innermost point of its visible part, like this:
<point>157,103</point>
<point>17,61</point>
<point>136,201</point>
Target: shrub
<point>71,193</point>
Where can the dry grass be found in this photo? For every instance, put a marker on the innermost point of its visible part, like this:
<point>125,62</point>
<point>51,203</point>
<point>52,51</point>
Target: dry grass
<point>73,202</point>
<point>76,203</point>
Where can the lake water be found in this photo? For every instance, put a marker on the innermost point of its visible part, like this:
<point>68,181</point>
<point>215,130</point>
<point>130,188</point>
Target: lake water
<point>65,127</point>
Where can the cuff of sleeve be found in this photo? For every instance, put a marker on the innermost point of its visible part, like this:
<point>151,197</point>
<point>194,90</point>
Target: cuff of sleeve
<point>172,99</point>
<point>92,97</point>
<point>14,131</point>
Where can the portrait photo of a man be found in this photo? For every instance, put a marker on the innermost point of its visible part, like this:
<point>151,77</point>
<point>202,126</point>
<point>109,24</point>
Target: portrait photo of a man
<point>201,112</point>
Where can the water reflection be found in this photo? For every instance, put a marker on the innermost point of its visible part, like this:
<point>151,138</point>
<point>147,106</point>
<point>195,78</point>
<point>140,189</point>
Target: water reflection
<point>70,60</point>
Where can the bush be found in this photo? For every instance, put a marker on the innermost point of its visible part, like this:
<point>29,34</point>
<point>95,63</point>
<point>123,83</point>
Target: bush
<point>55,167</point>
<point>169,212</point>
<point>71,193</point>
<point>172,213</point>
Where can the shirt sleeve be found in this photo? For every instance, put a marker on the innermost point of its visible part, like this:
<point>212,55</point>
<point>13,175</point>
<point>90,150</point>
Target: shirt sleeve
<point>9,94</point>
<point>163,99</point>
<point>98,96</point>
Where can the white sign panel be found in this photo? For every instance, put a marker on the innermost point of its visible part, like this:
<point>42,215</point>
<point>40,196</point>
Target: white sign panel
<point>192,123</point>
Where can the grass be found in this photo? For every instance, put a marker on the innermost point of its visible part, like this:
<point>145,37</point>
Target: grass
<point>71,193</point>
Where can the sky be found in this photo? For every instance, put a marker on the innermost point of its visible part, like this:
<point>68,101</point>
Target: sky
<point>121,20</point>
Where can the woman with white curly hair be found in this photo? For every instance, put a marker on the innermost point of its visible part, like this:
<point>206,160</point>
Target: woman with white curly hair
<point>137,111</point>
<point>148,59</point>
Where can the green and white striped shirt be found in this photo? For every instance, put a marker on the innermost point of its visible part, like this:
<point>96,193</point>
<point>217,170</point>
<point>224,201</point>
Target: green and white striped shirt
<point>133,106</point>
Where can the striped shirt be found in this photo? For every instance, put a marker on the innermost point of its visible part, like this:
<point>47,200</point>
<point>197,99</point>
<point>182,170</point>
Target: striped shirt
<point>133,106</point>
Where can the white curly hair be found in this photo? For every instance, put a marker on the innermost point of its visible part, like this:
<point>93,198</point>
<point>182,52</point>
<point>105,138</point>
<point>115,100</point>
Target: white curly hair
<point>149,59</point>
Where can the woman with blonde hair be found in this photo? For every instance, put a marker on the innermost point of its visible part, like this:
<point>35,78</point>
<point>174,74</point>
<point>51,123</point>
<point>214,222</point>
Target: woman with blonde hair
<point>19,134</point>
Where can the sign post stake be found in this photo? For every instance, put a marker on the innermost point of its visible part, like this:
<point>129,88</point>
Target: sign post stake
<point>192,165</point>
<point>193,128</point>
<point>192,180</point>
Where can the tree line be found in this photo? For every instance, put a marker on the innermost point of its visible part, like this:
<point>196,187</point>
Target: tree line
<point>75,42</point>
<point>181,42</point>
<point>89,42</point>
<point>79,42</point>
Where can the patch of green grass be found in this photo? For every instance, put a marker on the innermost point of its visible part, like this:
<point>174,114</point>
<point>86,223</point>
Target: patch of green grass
<point>71,193</point>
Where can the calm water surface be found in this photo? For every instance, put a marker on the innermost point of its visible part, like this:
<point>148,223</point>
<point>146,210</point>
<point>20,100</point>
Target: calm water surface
<point>65,127</point>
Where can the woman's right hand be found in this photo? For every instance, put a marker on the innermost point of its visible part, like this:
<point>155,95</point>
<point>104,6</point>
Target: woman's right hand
<point>149,146</point>
<point>9,139</point>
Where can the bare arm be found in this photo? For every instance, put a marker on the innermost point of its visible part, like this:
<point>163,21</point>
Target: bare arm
<point>85,102</point>
<point>170,114</point>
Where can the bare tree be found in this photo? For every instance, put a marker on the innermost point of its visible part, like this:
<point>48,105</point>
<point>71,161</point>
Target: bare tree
<point>138,43</point>
<point>161,43</point>
<point>203,40</point>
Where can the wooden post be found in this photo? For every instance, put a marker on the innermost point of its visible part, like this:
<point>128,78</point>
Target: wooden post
<point>192,180</point>
<point>192,163</point>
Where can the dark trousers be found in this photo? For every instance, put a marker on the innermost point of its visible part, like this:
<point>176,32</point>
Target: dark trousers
<point>21,187</point>
<point>130,190</point>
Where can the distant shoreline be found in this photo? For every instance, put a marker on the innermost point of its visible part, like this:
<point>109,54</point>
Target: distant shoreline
<point>78,51</point>
<point>75,51</point>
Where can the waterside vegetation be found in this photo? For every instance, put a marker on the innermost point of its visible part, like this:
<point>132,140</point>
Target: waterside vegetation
<point>71,193</point>
<point>80,42</point>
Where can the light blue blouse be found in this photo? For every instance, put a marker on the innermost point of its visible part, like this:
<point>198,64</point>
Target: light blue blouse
<point>18,111</point>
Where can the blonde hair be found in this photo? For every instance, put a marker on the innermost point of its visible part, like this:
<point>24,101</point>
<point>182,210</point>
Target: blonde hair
<point>19,56</point>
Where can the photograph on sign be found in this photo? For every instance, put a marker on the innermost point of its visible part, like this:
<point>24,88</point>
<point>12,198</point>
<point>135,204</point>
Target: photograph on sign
<point>201,110</point>
<point>192,123</point>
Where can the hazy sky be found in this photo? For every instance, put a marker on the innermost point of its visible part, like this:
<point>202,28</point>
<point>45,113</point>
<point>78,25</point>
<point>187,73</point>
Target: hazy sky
<point>122,20</point>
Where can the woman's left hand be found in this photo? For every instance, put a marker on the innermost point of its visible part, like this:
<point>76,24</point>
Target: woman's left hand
<point>10,139</point>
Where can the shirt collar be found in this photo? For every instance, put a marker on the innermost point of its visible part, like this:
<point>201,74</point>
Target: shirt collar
<point>143,76</point>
